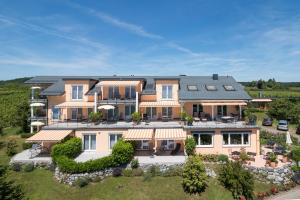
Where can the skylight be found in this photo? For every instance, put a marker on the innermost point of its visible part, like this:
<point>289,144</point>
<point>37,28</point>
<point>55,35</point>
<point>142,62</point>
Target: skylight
<point>229,88</point>
<point>192,87</point>
<point>211,87</point>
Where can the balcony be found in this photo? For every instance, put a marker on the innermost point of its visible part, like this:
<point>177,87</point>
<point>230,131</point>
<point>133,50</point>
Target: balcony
<point>117,101</point>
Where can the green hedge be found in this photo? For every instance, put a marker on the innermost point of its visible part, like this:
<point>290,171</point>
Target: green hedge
<point>63,155</point>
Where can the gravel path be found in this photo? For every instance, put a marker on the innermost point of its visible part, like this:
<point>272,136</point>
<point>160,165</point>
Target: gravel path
<point>292,194</point>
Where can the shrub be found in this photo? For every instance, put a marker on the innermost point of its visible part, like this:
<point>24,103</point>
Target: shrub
<point>117,172</point>
<point>28,167</point>
<point>189,120</point>
<point>295,153</point>
<point>237,179</point>
<point>243,156</point>
<point>183,115</point>
<point>134,163</point>
<point>194,175</point>
<point>26,135</point>
<point>122,152</point>
<point>2,144</point>
<point>173,171</point>
<point>272,157</point>
<point>96,179</point>
<point>136,117</point>
<point>154,170</point>
<point>11,148</point>
<point>16,167</point>
<point>222,158</point>
<point>95,116</point>
<point>190,145</point>
<point>209,157</point>
<point>81,182</point>
<point>26,145</point>
<point>127,172</point>
<point>137,172</point>
<point>71,148</point>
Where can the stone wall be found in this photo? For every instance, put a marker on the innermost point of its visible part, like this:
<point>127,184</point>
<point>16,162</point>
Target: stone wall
<point>281,175</point>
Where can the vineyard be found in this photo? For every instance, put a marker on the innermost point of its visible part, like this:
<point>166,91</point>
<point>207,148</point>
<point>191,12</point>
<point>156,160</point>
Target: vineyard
<point>14,95</point>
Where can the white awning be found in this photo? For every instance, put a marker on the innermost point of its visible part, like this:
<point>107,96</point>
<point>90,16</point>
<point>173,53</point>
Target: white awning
<point>76,104</point>
<point>261,100</point>
<point>118,83</point>
<point>224,104</point>
<point>106,107</point>
<point>160,104</point>
<point>35,87</point>
<point>37,105</point>
<point>37,123</point>
<point>49,136</point>
<point>170,134</point>
<point>139,134</point>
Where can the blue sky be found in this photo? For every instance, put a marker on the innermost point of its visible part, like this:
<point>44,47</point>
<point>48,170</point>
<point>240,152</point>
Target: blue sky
<point>246,39</point>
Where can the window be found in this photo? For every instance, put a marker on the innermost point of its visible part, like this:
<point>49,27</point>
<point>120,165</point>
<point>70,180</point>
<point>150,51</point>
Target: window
<point>168,144</point>
<point>89,142</point>
<point>203,139</point>
<point>167,112</point>
<point>222,110</point>
<point>142,144</point>
<point>130,92</point>
<point>167,91</point>
<point>113,138</point>
<point>197,109</point>
<point>55,113</point>
<point>129,109</point>
<point>236,138</point>
<point>77,92</point>
<point>211,87</point>
<point>192,87</point>
<point>229,88</point>
<point>113,92</point>
<point>151,112</point>
<point>76,113</point>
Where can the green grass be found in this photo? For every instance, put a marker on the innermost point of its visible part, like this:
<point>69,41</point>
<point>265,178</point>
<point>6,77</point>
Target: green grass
<point>274,93</point>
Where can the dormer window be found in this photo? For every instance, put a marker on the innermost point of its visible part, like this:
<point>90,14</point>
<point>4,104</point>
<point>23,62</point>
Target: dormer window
<point>229,88</point>
<point>211,87</point>
<point>192,87</point>
<point>77,92</point>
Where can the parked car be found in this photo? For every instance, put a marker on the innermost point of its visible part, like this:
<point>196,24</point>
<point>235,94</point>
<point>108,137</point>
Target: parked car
<point>267,121</point>
<point>298,130</point>
<point>283,125</point>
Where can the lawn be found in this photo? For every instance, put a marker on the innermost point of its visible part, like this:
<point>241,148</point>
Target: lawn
<point>40,184</point>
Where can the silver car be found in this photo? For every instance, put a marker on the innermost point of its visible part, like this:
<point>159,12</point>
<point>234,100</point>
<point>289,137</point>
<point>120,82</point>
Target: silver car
<point>283,125</point>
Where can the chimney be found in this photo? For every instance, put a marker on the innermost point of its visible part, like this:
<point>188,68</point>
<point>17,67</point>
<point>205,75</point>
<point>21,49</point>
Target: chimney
<point>215,77</point>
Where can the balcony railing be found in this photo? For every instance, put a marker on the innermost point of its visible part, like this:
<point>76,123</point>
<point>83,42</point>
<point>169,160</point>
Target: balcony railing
<point>117,101</point>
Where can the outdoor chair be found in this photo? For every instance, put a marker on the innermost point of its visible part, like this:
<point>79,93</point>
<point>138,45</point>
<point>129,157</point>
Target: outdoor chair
<point>235,155</point>
<point>176,150</point>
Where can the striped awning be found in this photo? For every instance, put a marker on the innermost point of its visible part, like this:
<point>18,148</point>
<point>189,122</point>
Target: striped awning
<point>49,136</point>
<point>224,104</point>
<point>118,83</point>
<point>160,104</point>
<point>139,134</point>
<point>261,100</point>
<point>170,134</point>
<point>76,104</point>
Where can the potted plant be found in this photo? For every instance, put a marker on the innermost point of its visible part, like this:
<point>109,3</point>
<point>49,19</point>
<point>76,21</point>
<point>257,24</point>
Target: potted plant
<point>136,117</point>
<point>273,160</point>
<point>183,116</point>
<point>189,120</point>
<point>95,116</point>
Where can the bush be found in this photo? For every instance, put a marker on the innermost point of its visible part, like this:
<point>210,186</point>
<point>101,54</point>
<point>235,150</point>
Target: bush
<point>26,145</point>
<point>2,144</point>
<point>243,156</point>
<point>11,147</point>
<point>70,148</point>
<point>16,167</point>
<point>173,171</point>
<point>26,135</point>
<point>209,157</point>
<point>183,115</point>
<point>154,170</point>
<point>81,182</point>
<point>136,117</point>
<point>189,120</point>
<point>137,172</point>
<point>134,163</point>
<point>28,167</point>
<point>194,176</point>
<point>272,157</point>
<point>295,153</point>
<point>190,145</point>
<point>122,152</point>
<point>127,172</point>
<point>237,179</point>
<point>222,158</point>
<point>95,116</point>
<point>117,172</point>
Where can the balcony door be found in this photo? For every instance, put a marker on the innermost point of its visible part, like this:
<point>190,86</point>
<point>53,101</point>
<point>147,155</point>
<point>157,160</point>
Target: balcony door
<point>129,109</point>
<point>76,113</point>
<point>167,112</point>
<point>130,92</point>
<point>113,92</point>
<point>151,113</point>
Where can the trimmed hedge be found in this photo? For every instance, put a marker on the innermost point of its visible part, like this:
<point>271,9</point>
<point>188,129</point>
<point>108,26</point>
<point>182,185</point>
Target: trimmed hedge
<point>64,153</point>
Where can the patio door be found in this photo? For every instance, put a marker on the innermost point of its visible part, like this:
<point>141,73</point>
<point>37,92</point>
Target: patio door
<point>76,113</point>
<point>168,144</point>
<point>167,112</point>
<point>129,109</point>
<point>222,110</point>
<point>113,138</point>
<point>89,142</point>
<point>142,144</point>
<point>197,109</point>
<point>113,114</point>
<point>151,113</point>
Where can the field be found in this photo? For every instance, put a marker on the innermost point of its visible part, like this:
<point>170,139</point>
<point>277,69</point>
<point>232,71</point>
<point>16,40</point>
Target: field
<point>40,184</point>
<point>292,92</point>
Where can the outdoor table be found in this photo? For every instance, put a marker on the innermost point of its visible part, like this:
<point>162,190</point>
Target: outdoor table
<point>227,119</point>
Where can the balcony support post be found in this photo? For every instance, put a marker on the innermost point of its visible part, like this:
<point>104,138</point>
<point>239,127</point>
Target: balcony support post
<point>240,109</point>
<point>212,113</point>
<point>136,102</point>
<point>95,102</point>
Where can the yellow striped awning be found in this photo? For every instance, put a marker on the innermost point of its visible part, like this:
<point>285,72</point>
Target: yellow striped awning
<point>170,134</point>
<point>75,104</point>
<point>49,136</point>
<point>139,134</point>
<point>159,104</point>
<point>118,83</point>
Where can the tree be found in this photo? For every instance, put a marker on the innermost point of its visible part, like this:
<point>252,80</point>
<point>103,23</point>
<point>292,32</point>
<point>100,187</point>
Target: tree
<point>22,116</point>
<point>190,145</point>
<point>194,176</point>
<point>8,189</point>
<point>261,84</point>
<point>280,109</point>
<point>237,179</point>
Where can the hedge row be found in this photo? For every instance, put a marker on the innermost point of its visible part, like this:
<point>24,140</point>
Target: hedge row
<point>63,154</point>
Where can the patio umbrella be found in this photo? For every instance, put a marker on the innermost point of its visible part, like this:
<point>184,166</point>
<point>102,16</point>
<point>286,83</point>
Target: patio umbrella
<point>37,123</point>
<point>35,87</point>
<point>288,138</point>
<point>106,107</point>
<point>37,105</point>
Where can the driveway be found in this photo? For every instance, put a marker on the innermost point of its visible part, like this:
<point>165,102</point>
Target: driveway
<point>292,194</point>
<point>275,131</point>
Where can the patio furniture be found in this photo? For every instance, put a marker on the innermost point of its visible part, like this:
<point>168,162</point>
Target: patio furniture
<point>235,155</point>
<point>165,118</point>
<point>251,156</point>
<point>227,119</point>
<point>196,119</point>
<point>203,116</point>
<point>279,150</point>
<point>35,150</point>
<point>176,150</point>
